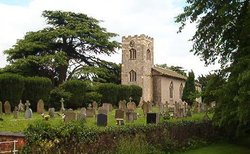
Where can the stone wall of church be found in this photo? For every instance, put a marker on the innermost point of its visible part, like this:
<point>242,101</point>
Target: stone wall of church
<point>165,89</point>
<point>141,63</point>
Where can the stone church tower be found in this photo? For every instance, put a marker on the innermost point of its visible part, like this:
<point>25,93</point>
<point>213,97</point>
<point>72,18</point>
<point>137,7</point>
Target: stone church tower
<point>137,62</point>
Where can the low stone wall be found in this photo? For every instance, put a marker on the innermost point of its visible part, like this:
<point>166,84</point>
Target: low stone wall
<point>8,136</point>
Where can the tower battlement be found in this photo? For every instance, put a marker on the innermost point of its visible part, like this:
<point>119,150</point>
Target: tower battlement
<point>142,36</point>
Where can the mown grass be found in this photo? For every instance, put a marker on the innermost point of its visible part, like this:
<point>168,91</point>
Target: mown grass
<point>220,148</point>
<point>9,124</point>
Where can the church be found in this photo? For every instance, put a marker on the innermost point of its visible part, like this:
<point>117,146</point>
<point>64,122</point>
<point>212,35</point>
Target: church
<point>159,85</point>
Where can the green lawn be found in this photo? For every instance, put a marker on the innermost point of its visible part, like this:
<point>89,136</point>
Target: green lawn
<point>10,124</point>
<point>220,148</point>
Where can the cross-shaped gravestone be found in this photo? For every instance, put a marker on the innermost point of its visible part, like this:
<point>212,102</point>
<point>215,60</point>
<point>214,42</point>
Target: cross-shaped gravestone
<point>130,99</point>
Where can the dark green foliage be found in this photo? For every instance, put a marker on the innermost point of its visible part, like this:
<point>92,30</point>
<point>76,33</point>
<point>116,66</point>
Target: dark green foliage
<point>77,138</point>
<point>55,96</point>
<point>92,96</point>
<point>11,88</point>
<point>136,93</point>
<point>69,39</point>
<point>78,89</point>
<point>36,88</point>
<point>109,92</point>
<point>124,92</point>
<point>189,89</point>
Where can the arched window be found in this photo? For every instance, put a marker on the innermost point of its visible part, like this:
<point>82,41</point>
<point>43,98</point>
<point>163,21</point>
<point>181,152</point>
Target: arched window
<point>132,53</point>
<point>181,90</point>
<point>132,76</point>
<point>171,90</point>
<point>148,54</point>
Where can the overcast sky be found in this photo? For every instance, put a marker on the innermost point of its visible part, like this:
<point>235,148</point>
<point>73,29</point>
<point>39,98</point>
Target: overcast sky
<point>154,18</point>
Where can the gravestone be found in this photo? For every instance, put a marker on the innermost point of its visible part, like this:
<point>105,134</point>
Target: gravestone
<point>62,109</point>
<point>107,106</point>
<point>28,111</point>
<point>1,108</point>
<point>95,105</point>
<point>150,106</point>
<point>69,116</point>
<point>7,107</point>
<point>122,105</point>
<point>131,106</point>
<point>89,106</point>
<point>51,112</point>
<point>15,112</point>
<point>82,115</point>
<point>119,117</point>
<point>102,110</point>
<point>130,116</point>
<point>153,118</point>
<point>145,107</point>
<point>90,113</point>
<point>102,120</point>
<point>21,106</point>
<point>40,107</point>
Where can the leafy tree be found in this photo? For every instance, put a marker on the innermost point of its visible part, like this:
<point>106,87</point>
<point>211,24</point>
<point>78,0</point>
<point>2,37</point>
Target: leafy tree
<point>71,42</point>
<point>177,69</point>
<point>223,34</point>
<point>189,89</point>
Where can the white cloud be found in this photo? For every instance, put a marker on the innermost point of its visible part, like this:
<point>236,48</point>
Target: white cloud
<point>125,17</point>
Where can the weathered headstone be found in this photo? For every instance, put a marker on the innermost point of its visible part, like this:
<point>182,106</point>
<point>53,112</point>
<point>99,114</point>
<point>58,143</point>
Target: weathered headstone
<point>145,107</point>
<point>122,105</point>
<point>21,106</point>
<point>131,106</point>
<point>89,106</point>
<point>1,108</point>
<point>70,116</point>
<point>15,112</point>
<point>7,107</point>
<point>62,109</point>
<point>90,113</point>
<point>40,107</point>
<point>28,111</point>
<point>95,105</point>
<point>102,110</point>
<point>102,120</point>
<point>130,116</point>
<point>107,106</point>
<point>82,115</point>
<point>119,114</point>
<point>153,118</point>
<point>51,112</point>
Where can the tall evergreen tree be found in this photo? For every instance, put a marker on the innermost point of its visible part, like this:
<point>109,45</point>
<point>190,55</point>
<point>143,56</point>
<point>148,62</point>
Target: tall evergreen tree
<point>189,89</point>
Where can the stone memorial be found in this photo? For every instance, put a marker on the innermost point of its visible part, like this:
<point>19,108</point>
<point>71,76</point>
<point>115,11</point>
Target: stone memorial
<point>89,106</point>
<point>28,111</point>
<point>51,112</point>
<point>82,115</point>
<point>90,112</point>
<point>131,106</point>
<point>40,107</point>
<point>122,105</point>
<point>102,110</point>
<point>21,106</point>
<point>62,109</point>
<point>15,112</point>
<point>153,118</point>
<point>131,116</point>
<point>107,106</point>
<point>119,117</point>
<point>102,120</point>
<point>95,105</point>
<point>69,116</point>
<point>145,108</point>
<point>7,107</point>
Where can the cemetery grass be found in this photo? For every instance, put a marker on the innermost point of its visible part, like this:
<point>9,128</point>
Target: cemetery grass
<point>9,124</point>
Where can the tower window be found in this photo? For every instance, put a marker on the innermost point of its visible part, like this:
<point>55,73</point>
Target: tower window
<point>132,53</point>
<point>148,54</point>
<point>171,90</point>
<point>181,90</point>
<point>132,76</point>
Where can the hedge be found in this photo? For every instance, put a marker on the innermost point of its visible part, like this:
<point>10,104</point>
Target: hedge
<point>76,137</point>
<point>109,92</point>
<point>56,95</point>
<point>136,93</point>
<point>11,88</point>
<point>36,88</point>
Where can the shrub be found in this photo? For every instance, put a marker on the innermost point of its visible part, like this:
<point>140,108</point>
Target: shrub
<point>55,96</point>
<point>78,90</point>
<point>108,92</point>
<point>36,88</point>
<point>136,93</point>
<point>124,92</point>
<point>92,96</point>
<point>11,88</point>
